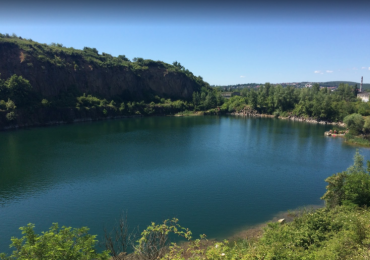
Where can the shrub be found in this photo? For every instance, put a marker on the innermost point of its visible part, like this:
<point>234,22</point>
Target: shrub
<point>11,116</point>
<point>2,104</point>
<point>57,243</point>
<point>355,123</point>
<point>45,102</point>
<point>351,187</point>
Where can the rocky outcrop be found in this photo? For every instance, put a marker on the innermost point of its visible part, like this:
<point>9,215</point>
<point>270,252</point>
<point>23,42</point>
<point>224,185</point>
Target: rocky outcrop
<point>51,79</point>
<point>254,113</point>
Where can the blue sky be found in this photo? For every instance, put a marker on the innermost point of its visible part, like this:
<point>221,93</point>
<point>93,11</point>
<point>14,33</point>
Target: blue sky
<point>234,43</point>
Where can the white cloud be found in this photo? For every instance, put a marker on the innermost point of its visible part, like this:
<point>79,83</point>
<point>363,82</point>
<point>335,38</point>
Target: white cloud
<point>242,76</point>
<point>317,72</point>
<point>363,68</point>
<point>369,68</point>
<point>329,71</point>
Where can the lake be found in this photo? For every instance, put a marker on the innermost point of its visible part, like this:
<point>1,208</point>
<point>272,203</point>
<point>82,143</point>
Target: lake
<point>216,174</point>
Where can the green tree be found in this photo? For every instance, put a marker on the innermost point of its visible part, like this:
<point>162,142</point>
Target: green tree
<point>210,101</point>
<point>123,57</point>
<point>367,125</point>
<point>3,90</point>
<point>178,65</point>
<point>10,105</point>
<point>196,98</point>
<point>219,98</point>
<point>155,239</point>
<point>355,123</point>
<point>253,99</point>
<point>315,87</point>
<point>55,244</point>
<point>11,116</point>
<point>351,187</point>
<point>19,90</point>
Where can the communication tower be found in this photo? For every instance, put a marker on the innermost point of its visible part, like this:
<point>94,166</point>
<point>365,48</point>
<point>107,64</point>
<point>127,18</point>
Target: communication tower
<point>362,79</point>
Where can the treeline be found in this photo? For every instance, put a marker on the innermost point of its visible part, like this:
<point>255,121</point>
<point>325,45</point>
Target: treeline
<point>20,104</point>
<point>321,104</point>
<point>18,98</point>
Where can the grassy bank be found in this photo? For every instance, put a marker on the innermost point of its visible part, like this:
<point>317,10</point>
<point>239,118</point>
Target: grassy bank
<point>336,233</point>
<point>358,141</point>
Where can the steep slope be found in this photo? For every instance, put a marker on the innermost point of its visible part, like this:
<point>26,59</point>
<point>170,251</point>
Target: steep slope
<point>46,84</point>
<point>52,70</point>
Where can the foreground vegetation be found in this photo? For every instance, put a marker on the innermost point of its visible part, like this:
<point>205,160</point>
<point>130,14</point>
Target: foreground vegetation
<point>340,230</point>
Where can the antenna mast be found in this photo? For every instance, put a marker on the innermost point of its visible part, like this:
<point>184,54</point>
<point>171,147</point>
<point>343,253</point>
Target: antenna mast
<point>362,79</point>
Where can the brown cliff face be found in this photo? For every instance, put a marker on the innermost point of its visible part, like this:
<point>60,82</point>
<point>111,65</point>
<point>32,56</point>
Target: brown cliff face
<point>75,72</point>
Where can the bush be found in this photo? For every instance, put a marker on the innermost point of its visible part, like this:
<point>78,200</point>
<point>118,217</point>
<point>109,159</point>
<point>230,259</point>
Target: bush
<point>10,105</point>
<point>45,102</point>
<point>351,187</point>
<point>2,104</point>
<point>11,116</point>
<point>367,125</point>
<point>57,243</point>
<point>355,123</point>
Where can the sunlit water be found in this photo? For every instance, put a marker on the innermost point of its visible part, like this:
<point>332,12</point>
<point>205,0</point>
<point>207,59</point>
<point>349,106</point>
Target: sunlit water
<point>216,174</point>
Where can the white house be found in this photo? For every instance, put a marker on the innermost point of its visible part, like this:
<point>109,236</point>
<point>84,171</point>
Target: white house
<point>364,96</point>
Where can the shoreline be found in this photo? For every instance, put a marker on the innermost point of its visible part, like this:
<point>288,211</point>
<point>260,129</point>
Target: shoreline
<point>197,113</point>
<point>252,232</point>
<point>293,118</point>
<point>255,231</point>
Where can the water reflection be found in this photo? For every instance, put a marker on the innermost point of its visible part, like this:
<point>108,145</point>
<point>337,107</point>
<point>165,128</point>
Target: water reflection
<point>203,170</point>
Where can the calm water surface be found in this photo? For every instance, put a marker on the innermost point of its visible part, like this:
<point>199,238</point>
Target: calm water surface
<point>216,174</point>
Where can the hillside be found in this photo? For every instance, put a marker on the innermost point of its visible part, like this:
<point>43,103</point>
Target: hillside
<point>351,83</point>
<point>365,86</point>
<point>46,84</point>
<point>54,69</point>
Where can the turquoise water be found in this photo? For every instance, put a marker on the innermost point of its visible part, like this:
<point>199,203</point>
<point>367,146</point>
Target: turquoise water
<point>216,174</point>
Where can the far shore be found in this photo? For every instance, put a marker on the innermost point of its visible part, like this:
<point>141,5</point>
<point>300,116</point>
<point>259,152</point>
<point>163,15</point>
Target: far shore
<point>293,118</point>
<point>180,114</point>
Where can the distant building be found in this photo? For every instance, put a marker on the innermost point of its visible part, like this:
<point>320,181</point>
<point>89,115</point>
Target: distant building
<point>331,88</point>
<point>364,96</point>
<point>230,94</point>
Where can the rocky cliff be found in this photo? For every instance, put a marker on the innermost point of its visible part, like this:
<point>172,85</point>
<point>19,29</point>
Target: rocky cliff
<point>52,70</point>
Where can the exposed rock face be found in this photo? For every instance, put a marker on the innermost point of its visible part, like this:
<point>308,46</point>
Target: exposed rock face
<point>51,79</point>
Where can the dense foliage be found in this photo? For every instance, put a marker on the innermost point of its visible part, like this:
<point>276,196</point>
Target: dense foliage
<point>351,187</point>
<point>57,243</point>
<point>17,98</point>
<point>20,105</point>
<point>16,92</point>
<point>321,104</point>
